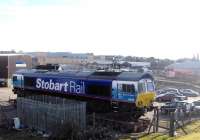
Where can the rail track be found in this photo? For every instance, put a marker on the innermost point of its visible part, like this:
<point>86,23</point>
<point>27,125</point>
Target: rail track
<point>119,122</point>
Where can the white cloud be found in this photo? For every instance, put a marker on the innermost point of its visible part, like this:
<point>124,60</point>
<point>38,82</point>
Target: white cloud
<point>143,28</point>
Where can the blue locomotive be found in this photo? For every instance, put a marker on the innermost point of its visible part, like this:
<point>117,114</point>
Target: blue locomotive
<point>104,91</point>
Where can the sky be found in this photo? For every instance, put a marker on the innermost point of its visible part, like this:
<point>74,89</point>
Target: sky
<point>146,28</point>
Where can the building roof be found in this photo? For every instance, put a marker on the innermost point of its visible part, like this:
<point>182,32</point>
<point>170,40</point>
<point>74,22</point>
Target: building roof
<point>68,54</point>
<point>185,65</point>
<point>61,54</point>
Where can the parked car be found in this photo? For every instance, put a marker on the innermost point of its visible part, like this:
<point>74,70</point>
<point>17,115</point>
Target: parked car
<point>171,90</point>
<point>196,106</point>
<point>169,96</point>
<point>3,83</point>
<point>167,90</point>
<point>159,91</point>
<point>189,92</point>
<point>176,92</point>
<point>172,106</point>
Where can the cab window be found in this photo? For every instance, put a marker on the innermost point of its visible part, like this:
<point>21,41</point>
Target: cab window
<point>141,87</point>
<point>128,88</point>
<point>150,86</point>
<point>14,78</point>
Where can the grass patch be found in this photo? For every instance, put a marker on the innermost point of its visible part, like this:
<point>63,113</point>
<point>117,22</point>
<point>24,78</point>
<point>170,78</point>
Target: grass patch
<point>157,136</point>
<point>190,128</point>
<point>193,130</point>
<point>192,136</point>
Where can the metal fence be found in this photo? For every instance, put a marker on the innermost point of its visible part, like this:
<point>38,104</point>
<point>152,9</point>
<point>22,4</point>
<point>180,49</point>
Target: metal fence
<point>174,119</point>
<point>179,118</point>
<point>46,113</point>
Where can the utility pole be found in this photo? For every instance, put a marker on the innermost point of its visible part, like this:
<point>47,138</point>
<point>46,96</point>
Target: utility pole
<point>115,62</point>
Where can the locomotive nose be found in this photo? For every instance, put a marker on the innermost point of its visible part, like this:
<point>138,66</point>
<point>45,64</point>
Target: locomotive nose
<point>145,99</point>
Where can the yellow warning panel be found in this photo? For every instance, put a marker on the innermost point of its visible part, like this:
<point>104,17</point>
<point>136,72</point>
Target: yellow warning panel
<point>145,99</point>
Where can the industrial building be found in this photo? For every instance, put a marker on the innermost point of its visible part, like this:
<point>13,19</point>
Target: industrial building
<point>10,63</point>
<point>44,58</point>
<point>188,68</point>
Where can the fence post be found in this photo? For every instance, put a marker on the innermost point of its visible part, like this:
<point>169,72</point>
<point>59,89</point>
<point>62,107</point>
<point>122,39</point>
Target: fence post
<point>190,116</point>
<point>154,120</point>
<point>172,125</point>
<point>157,119</point>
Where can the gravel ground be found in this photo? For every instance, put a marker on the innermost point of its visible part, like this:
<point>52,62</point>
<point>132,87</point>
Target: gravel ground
<point>6,94</point>
<point>7,112</point>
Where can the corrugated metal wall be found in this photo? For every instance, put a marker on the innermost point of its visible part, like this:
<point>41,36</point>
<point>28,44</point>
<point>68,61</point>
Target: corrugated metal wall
<point>47,112</point>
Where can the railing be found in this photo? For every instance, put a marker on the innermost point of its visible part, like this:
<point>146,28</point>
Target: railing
<point>44,116</point>
<point>176,118</point>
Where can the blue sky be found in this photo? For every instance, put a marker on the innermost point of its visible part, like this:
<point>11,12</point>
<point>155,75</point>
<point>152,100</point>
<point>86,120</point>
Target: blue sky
<point>158,28</point>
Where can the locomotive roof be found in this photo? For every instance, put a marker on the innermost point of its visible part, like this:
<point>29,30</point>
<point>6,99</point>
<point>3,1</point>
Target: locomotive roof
<point>134,76</point>
<point>128,76</point>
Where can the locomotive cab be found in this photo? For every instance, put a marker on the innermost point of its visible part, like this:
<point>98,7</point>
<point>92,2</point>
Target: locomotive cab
<point>18,80</point>
<point>138,91</point>
<point>146,93</point>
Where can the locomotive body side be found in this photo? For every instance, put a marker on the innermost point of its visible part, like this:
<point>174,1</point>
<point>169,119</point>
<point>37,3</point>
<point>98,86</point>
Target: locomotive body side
<point>132,94</point>
<point>61,86</point>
